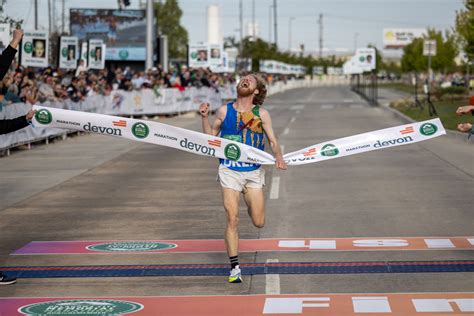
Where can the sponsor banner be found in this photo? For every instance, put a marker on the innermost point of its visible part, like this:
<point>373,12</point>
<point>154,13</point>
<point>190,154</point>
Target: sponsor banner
<point>335,71</point>
<point>216,56</point>
<point>96,54</point>
<point>247,245</point>
<point>396,304</point>
<point>399,38</point>
<point>277,67</point>
<point>35,49</point>
<point>198,56</point>
<point>147,131</point>
<point>125,53</point>
<point>365,58</point>
<point>68,52</point>
<point>380,139</point>
<point>198,143</point>
<point>4,36</point>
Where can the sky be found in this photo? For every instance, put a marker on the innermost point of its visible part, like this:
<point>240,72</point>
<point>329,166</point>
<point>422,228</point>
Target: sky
<point>346,23</point>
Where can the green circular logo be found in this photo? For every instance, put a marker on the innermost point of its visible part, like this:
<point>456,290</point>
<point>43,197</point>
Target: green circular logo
<point>81,307</point>
<point>84,55</point>
<point>131,246</point>
<point>140,130</point>
<point>232,152</point>
<point>92,53</point>
<point>44,117</point>
<point>428,129</point>
<point>194,55</point>
<point>362,59</point>
<point>329,150</point>
<point>123,54</point>
<point>28,47</point>
<point>64,52</point>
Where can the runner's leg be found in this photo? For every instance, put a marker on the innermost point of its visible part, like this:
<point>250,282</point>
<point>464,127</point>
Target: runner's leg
<point>255,201</point>
<point>231,204</point>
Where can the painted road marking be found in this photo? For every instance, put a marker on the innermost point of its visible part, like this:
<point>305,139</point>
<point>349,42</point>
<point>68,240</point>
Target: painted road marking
<point>347,101</point>
<point>257,268</point>
<point>286,131</point>
<point>297,107</point>
<point>272,285</point>
<point>292,119</point>
<point>246,245</point>
<point>275,188</point>
<point>391,304</point>
<point>327,106</point>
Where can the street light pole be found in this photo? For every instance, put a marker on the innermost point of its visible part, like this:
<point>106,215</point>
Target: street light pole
<point>289,33</point>
<point>149,35</point>
<point>270,23</point>
<point>275,22</point>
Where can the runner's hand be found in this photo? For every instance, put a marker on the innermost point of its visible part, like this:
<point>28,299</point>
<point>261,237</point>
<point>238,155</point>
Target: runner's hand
<point>204,109</point>
<point>280,163</point>
<point>17,36</point>
<point>464,127</point>
<point>464,109</point>
<point>30,114</point>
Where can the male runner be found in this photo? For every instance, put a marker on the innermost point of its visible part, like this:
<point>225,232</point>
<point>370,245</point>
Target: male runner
<point>244,121</point>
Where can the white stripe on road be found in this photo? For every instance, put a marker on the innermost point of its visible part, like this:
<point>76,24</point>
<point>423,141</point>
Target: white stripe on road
<point>272,281</point>
<point>347,101</point>
<point>292,119</point>
<point>286,131</point>
<point>274,191</point>
<point>327,106</point>
<point>297,107</point>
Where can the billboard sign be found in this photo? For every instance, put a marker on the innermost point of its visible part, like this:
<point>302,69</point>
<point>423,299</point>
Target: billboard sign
<point>96,55</point>
<point>68,52</point>
<point>35,49</point>
<point>198,56</point>
<point>399,38</point>
<point>123,31</point>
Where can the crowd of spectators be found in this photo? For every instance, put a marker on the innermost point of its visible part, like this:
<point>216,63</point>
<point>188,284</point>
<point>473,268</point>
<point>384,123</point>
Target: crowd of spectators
<point>30,85</point>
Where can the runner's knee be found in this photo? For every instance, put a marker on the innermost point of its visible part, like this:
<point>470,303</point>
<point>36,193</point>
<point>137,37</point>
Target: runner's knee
<point>232,222</point>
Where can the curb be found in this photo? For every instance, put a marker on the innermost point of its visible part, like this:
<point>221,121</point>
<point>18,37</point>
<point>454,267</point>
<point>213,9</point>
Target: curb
<point>450,134</point>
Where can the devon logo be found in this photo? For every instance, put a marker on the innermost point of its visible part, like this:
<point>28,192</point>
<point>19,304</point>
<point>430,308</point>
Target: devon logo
<point>391,142</point>
<point>81,307</point>
<point>202,149</point>
<point>102,130</point>
<point>232,152</point>
<point>329,150</point>
<point>44,117</point>
<point>428,129</point>
<point>128,246</point>
<point>140,130</point>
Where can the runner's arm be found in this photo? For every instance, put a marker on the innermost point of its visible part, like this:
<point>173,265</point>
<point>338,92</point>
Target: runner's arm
<point>268,129</point>
<point>215,128</point>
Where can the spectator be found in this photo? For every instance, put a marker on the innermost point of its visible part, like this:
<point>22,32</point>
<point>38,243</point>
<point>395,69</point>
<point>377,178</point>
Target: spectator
<point>466,127</point>
<point>81,68</point>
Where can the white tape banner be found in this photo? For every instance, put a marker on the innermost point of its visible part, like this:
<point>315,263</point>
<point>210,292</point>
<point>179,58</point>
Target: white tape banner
<point>213,146</point>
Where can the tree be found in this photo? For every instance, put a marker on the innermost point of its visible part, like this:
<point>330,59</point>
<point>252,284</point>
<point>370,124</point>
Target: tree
<point>446,52</point>
<point>465,28</point>
<point>168,17</point>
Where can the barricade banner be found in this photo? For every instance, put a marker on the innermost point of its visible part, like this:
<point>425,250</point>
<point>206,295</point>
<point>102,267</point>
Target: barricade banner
<point>213,146</point>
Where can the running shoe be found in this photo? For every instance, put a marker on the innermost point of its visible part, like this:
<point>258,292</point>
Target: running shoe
<point>235,275</point>
<point>5,280</point>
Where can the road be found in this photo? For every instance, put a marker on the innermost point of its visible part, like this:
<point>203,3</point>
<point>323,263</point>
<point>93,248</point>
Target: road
<point>95,188</point>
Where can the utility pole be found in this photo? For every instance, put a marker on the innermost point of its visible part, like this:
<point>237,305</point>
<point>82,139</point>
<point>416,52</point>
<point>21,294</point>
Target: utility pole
<point>275,22</point>
<point>149,35</point>
<point>63,19</point>
<point>53,13</point>
<point>36,14</point>
<point>241,18</point>
<point>253,21</point>
<point>320,35</point>
<point>270,23</point>
<point>49,17</point>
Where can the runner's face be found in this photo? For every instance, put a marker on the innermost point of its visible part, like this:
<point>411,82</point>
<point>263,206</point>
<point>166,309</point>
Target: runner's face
<point>246,86</point>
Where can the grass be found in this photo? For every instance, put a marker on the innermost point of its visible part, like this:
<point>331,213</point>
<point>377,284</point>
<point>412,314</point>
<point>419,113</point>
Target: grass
<point>446,110</point>
<point>403,87</point>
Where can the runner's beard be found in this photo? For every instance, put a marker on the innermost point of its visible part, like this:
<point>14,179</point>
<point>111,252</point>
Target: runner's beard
<point>244,91</point>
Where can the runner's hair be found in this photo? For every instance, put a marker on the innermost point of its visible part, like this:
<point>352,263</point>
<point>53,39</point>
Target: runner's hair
<point>262,90</point>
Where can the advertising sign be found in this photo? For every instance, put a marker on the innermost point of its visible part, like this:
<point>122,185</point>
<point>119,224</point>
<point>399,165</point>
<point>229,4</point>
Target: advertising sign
<point>399,38</point>
<point>68,52</point>
<point>96,54</point>
<point>34,49</point>
<point>198,56</point>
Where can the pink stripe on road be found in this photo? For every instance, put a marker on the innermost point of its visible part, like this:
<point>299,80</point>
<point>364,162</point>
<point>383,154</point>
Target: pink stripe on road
<point>246,245</point>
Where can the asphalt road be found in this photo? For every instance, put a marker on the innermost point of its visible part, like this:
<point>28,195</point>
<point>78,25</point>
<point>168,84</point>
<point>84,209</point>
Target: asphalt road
<point>97,188</point>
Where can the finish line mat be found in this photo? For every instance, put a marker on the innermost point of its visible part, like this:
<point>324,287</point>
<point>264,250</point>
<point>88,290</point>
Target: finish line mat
<point>406,304</point>
<point>246,245</point>
<point>247,269</point>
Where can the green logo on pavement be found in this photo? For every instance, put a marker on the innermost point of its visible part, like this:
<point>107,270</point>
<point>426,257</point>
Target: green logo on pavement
<point>140,130</point>
<point>134,246</point>
<point>232,152</point>
<point>44,117</point>
<point>329,150</point>
<point>81,308</point>
<point>428,129</point>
